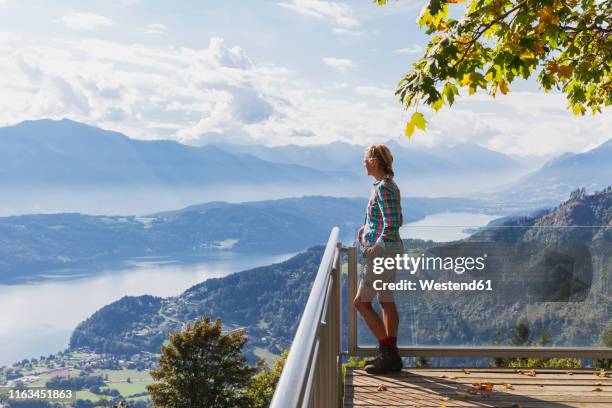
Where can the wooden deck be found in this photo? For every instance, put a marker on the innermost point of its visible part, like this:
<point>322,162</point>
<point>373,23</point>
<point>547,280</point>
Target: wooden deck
<point>482,387</point>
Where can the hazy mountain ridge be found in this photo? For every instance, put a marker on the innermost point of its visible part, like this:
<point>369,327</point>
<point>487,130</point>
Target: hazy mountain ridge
<point>561,175</point>
<point>66,166</point>
<point>66,153</point>
<point>408,160</point>
<point>56,166</point>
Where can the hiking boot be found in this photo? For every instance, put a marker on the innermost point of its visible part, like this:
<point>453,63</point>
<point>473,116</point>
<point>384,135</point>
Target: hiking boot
<point>371,361</point>
<point>388,362</point>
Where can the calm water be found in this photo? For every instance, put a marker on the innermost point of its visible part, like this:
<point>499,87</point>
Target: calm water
<point>446,226</point>
<point>38,318</point>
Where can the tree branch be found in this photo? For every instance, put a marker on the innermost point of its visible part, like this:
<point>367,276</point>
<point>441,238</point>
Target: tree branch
<point>482,30</point>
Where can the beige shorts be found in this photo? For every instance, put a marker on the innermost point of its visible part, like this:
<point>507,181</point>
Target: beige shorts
<point>369,276</point>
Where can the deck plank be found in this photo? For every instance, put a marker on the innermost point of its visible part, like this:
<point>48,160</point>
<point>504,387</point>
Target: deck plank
<point>459,388</point>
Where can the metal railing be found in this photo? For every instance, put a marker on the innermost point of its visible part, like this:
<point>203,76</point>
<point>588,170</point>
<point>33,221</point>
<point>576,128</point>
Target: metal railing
<point>354,349</point>
<point>312,376</point>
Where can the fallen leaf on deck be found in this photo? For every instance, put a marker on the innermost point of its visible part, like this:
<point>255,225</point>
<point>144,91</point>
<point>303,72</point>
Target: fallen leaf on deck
<point>464,395</point>
<point>508,386</point>
<point>382,387</point>
<point>597,389</point>
<point>466,371</point>
<point>569,373</point>
<point>483,387</point>
<point>531,373</point>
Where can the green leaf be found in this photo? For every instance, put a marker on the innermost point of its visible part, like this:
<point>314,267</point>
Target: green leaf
<point>435,6</point>
<point>450,90</point>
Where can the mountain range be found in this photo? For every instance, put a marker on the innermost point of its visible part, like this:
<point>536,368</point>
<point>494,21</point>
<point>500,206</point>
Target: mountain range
<point>66,166</point>
<point>62,165</point>
<point>561,175</point>
<point>49,153</point>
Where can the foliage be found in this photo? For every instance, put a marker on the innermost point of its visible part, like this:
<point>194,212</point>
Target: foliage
<point>104,330</point>
<point>566,42</point>
<point>353,362</point>
<point>423,362</point>
<point>606,341</point>
<point>201,367</point>
<point>521,336</point>
<point>75,383</point>
<point>545,363</point>
<point>261,387</point>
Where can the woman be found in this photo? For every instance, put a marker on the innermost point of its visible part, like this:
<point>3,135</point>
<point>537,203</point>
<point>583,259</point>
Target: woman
<point>380,238</point>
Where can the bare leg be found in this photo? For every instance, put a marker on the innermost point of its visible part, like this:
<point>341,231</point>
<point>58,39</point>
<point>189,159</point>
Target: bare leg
<point>390,318</point>
<point>372,319</point>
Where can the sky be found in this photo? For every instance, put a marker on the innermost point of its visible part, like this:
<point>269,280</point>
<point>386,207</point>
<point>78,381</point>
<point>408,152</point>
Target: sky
<point>255,71</point>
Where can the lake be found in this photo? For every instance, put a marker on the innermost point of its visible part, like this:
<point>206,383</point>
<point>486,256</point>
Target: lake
<point>38,318</point>
<point>445,226</point>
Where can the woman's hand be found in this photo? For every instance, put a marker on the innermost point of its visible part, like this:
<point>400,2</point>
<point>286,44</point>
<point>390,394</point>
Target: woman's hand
<point>373,251</point>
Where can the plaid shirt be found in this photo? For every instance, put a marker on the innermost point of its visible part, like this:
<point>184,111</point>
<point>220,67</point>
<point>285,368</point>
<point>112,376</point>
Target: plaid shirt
<point>384,214</point>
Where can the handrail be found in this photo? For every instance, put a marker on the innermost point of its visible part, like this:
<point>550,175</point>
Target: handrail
<point>312,376</point>
<point>317,341</point>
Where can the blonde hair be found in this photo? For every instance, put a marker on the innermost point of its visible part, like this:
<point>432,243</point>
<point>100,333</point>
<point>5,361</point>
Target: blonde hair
<point>382,153</point>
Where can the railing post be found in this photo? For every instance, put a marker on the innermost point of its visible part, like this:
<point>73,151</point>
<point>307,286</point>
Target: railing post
<point>352,291</point>
<point>337,304</point>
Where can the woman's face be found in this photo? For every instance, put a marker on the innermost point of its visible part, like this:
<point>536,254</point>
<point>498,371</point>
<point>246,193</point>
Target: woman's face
<point>370,164</point>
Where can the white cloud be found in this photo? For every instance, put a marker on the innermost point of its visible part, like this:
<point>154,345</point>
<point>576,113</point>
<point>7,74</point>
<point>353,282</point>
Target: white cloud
<point>340,64</point>
<point>348,31</point>
<point>216,93</point>
<point>413,49</point>
<point>375,91</point>
<point>133,89</point>
<point>85,21</point>
<point>6,36</point>
<point>340,14</point>
<point>156,28</point>
<point>520,123</point>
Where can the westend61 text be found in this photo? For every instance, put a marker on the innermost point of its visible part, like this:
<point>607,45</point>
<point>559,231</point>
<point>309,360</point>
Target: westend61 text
<point>475,285</point>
